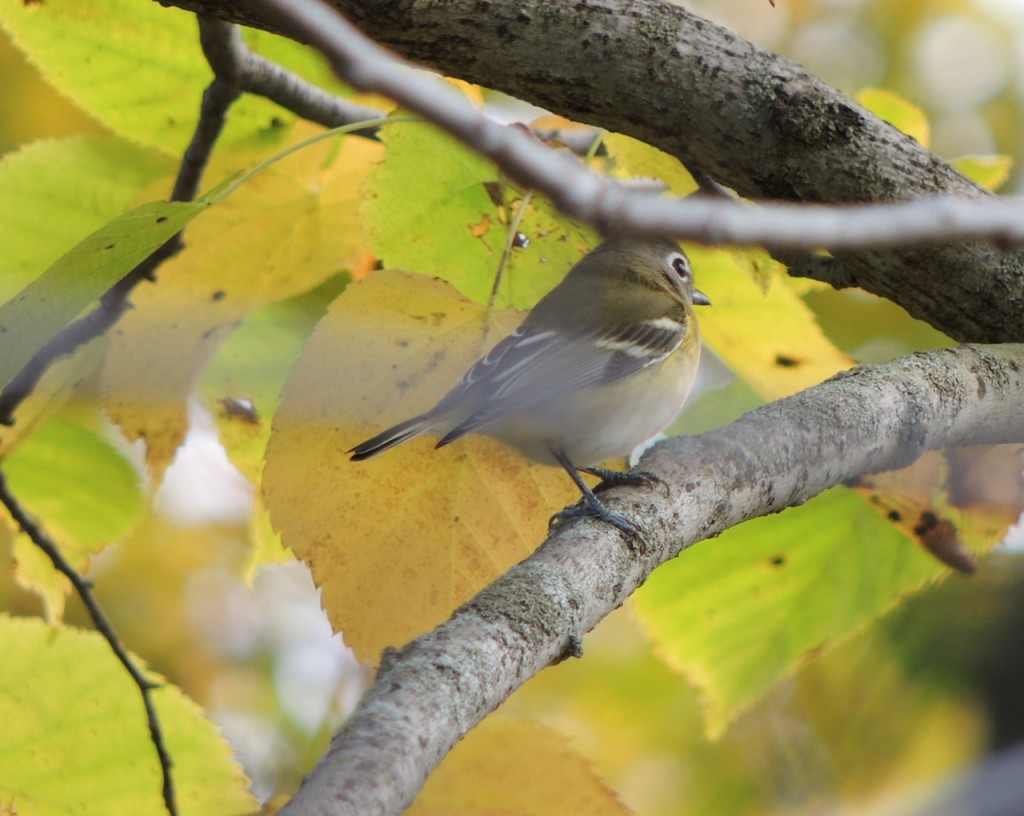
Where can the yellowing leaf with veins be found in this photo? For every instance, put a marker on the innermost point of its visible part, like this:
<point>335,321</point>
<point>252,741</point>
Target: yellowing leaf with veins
<point>450,215</point>
<point>75,735</point>
<point>635,159</point>
<point>770,339</point>
<point>397,542</point>
<point>284,232</point>
<point>507,766</point>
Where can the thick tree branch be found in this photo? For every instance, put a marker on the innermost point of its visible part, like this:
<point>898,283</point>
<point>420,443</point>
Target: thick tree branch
<point>428,695</point>
<point>749,119</point>
<point>615,207</point>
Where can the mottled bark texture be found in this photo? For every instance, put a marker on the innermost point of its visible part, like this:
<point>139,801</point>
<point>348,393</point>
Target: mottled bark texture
<point>429,694</point>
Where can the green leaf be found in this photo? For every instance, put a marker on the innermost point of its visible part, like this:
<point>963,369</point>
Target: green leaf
<point>715,408</point>
<point>76,740</point>
<point>82,274</point>
<point>435,207</point>
<point>252,366</point>
<point>136,67</point>
<point>991,172</point>
<point>899,112</point>
<point>636,159</point>
<point>427,209</point>
<point>737,613</point>
<point>53,194</point>
<point>84,491</point>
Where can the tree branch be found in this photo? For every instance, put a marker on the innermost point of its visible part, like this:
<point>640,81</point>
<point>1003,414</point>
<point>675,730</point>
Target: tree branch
<point>747,118</point>
<point>218,97</point>
<point>105,629</point>
<point>820,145</point>
<point>230,57</point>
<point>429,694</point>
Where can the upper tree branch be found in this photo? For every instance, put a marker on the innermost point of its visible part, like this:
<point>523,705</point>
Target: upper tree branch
<point>436,689</point>
<point>750,119</point>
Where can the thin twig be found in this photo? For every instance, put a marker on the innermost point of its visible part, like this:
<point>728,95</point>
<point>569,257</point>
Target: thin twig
<point>217,98</point>
<point>102,624</point>
<point>708,186</point>
<point>229,56</point>
<point>611,206</point>
<point>510,243</point>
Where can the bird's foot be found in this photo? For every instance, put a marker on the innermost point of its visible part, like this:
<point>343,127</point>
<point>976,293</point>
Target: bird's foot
<point>622,478</point>
<point>585,508</point>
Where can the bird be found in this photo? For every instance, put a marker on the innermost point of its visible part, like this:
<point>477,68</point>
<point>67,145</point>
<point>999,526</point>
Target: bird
<point>602,364</point>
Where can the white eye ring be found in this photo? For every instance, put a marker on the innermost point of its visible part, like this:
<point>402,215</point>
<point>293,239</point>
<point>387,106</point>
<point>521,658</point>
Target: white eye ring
<point>680,265</point>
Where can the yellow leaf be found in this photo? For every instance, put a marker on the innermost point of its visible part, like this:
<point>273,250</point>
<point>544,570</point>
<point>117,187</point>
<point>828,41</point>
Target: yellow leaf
<point>991,172</point>
<point>396,543</point>
<point>771,340</point>
<point>509,767</point>
<point>285,231</point>
<point>899,112</point>
<point>633,158</point>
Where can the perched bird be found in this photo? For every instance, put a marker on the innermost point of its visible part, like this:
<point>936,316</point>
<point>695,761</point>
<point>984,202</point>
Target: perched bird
<point>602,364</point>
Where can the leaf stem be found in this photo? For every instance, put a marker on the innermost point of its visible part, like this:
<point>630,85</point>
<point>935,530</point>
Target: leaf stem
<point>218,194</point>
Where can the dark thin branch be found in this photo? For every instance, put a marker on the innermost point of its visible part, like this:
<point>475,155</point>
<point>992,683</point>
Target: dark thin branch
<point>783,135</point>
<point>229,56</point>
<point>218,97</point>
<point>102,624</point>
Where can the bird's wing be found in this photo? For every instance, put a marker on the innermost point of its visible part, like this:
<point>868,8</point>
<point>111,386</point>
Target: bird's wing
<point>531,367</point>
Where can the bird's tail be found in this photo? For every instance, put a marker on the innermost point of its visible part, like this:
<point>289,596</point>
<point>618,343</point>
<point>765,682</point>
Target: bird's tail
<point>394,435</point>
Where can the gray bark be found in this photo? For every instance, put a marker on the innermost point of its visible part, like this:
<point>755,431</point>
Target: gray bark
<point>429,694</point>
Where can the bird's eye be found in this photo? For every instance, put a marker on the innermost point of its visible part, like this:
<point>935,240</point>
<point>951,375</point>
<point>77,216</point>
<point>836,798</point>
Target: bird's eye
<point>680,266</point>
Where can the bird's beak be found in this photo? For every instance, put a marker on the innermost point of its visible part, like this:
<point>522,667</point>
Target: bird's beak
<point>700,299</point>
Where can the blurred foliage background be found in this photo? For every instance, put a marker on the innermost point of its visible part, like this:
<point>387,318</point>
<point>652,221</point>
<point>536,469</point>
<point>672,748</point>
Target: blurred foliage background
<point>884,720</point>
